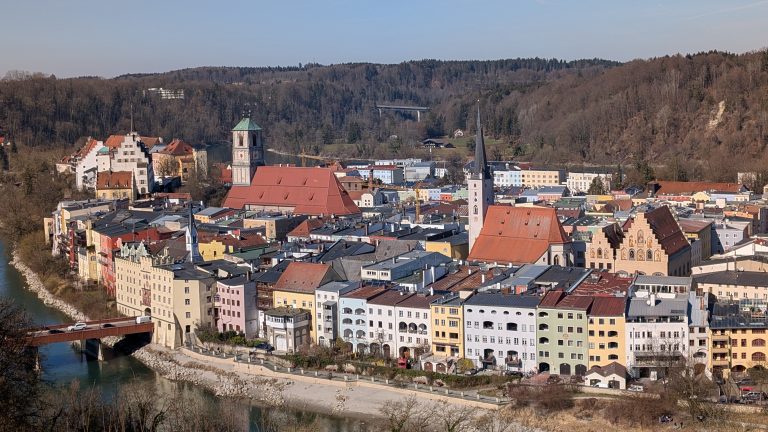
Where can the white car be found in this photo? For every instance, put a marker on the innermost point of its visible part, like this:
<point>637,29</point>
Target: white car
<point>77,326</point>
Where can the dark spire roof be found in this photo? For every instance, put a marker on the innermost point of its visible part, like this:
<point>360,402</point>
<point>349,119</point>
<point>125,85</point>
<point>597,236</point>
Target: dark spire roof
<point>481,166</point>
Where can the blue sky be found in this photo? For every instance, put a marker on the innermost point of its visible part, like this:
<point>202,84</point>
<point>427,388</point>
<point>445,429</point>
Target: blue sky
<point>106,38</point>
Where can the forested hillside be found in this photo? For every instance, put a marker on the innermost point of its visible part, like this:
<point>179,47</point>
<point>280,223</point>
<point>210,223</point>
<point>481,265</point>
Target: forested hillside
<point>688,113</point>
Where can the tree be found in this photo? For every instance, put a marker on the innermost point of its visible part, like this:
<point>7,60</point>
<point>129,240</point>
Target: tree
<point>3,160</point>
<point>166,166</point>
<point>18,377</point>
<point>597,187</point>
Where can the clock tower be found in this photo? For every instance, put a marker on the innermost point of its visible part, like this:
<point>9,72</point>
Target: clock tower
<point>247,151</point>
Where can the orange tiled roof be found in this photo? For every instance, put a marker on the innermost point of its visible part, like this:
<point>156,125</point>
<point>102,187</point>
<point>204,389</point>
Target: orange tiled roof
<point>114,141</point>
<point>177,147</point>
<point>310,191</point>
<point>114,180</point>
<point>517,235</point>
<point>306,227</point>
<point>303,277</point>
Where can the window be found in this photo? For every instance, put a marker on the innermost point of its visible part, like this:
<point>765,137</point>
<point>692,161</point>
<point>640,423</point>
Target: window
<point>188,314</point>
<point>186,302</point>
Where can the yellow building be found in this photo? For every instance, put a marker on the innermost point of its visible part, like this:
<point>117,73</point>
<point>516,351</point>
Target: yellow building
<point>447,329</point>
<point>738,336</point>
<point>179,297</point>
<point>296,288</point>
<point>538,178</point>
<point>606,331</point>
<point>114,185</point>
<point>456,246</point>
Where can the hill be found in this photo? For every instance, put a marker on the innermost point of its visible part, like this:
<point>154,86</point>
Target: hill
<point>687,113</point>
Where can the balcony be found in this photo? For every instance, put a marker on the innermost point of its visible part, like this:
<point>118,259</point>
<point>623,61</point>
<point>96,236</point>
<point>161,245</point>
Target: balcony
<point>720,349</point>
<point>720,362</point>
<point>720,338</point>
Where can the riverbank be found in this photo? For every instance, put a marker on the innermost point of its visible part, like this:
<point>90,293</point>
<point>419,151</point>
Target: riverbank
<point>260,385</point>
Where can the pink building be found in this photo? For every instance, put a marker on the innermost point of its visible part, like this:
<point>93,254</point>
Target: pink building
<point>236,306</point>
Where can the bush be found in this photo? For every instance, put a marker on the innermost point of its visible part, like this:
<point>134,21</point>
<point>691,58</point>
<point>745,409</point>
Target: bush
<point>638,410</point>
<point>553,398</point>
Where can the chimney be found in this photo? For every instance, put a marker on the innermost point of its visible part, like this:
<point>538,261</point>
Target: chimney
<point>482,278</point>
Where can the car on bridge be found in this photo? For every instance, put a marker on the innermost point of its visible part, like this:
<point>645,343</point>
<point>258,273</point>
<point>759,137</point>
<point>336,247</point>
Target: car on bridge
<point>77,326</point>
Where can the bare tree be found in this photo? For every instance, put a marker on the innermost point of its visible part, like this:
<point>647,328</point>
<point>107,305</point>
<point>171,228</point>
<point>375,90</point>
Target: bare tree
<point>18,378</point>
<point>398,414</point>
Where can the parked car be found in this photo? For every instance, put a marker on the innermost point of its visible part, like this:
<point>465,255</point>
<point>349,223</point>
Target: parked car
<point>470,372</point>
<point>107,325</point>
<point>515,374</point>
<point>636,388</point>
<point>143,319</point>
<point>264,346</point>
<point>55,331</point>
<point>77,326</point>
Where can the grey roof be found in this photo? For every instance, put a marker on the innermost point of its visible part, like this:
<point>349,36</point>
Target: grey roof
<point>662,280</point>
<point>240,280</point>
<point>210,211</point>
<point>729,314</point>
<point>337,287</point>
<point>503,300</point>
<point>344,248</point>
<point>744,278</point>
<point>432,258</point>
<point>562,277</point>
<point>663,307</point>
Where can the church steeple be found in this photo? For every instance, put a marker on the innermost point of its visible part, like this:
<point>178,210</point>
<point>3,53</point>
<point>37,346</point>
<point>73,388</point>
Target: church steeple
<point>480,185</point>
<point>481,165</point>
<point>247,151</point>
<point>193,252</point>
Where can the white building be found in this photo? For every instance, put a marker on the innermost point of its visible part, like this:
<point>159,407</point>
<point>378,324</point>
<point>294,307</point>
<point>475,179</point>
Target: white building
<point>355,322</point>
<point>131,155</point>
<point>327,306</point>
<point>656,334</point>
<point>581,181</point>
<point>414,326</point>
<point>507,178</point>
<point>500,331</point>
<point>288,328</point>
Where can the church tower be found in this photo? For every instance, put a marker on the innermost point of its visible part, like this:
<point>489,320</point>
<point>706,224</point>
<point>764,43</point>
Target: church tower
<point>480,185</point>
<point>247,151</point>
<point>193,251</point>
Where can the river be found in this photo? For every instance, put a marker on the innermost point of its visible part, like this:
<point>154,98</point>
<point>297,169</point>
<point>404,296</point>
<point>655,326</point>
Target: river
<point>61,363</point>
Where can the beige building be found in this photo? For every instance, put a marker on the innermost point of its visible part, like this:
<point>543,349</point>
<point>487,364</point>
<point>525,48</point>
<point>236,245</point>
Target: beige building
<point>538,178</point>
<point>734,285</point>
<point>650,243</point>
<point>177,296</point>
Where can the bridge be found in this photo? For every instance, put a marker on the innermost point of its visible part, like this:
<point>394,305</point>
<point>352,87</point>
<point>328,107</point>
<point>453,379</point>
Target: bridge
<point>88,339</point>
<point>418,109</point>
<point>94,330</point>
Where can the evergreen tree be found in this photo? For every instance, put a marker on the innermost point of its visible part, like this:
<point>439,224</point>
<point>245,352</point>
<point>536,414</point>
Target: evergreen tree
<point>596,187</point>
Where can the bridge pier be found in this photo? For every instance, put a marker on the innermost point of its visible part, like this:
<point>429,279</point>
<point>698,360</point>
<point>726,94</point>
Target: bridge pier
<point>90,347</point>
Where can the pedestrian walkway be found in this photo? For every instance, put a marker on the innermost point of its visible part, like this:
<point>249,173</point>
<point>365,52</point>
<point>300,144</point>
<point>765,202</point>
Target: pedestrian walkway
<point>265,360</point>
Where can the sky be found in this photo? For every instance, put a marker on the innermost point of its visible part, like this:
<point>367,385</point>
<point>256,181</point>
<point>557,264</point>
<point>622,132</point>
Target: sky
<point>110,38</point>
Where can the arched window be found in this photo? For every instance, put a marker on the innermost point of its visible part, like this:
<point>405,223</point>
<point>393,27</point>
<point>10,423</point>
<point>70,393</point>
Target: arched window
<point>474,210</point>
<point>657,256</point>
<point>599,252</point>
<point>613,357</point>
<point>640,255</point>
<point>240,140</point>
<point>649,255</point>
<point>758,357</point>
<point>631,254</point>
<point>543,327</point>
<point>512,326</point>
<point>640,237</point>
<point>758,343</point>
<point>556,260</point>
<point>543,340</point>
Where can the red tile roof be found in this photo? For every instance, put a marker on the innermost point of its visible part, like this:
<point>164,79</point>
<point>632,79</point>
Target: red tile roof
<point>691,226</point>
<point>114,180</point>
<point>310,191</point>
<point>390,297</point>
<point>365,292</point>
<point>223,171</point>
<point>178,147</point>
<point>666,229</point>
<point>608,306</point>
<point>114,141</point>
<point>517,235</point>
<point>304,277</point>
<point>676,187</point>
<point>306,227</point>
<point>603,284</point>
